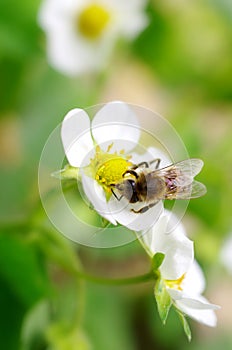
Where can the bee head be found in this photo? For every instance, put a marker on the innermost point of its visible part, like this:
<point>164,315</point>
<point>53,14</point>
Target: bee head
<point>127,189</point>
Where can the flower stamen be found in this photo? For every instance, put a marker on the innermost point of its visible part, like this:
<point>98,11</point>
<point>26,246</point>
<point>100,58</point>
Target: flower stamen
<point>175,284</point>
<point>92,21</point>
<point>108,169</point>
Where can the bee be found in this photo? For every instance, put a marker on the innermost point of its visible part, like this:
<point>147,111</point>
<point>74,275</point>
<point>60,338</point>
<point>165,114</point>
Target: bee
<point>146,184</point>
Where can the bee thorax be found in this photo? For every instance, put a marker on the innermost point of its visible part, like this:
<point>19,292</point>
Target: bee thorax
<point>155,188</point>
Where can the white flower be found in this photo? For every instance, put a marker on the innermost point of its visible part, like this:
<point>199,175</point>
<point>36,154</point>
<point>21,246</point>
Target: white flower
<point>82,33</point>
<point>225,254</point>
<point>100,149</point>
<point>182,276</point>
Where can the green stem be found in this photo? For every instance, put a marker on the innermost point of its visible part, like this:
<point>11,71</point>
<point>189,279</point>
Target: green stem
<point>143,245</point>
<point>117,281</point>
<point>68,260</point>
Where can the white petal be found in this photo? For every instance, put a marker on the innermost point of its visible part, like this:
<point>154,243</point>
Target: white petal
<point>76,137</point>
<point>225,254</point>
<point>147,236</point>
<point>199,309</point>
<point>53,13</point>
<point>73,55</point>
<point>116,122</point>
<point>121,211</point>
<point>178,249</point>
<point>131,6</point>
<point>131,24</point>
<point>206,317</point>
<point>131,18</point>
<point>178,258</point>
<point>95,194</point>
<point>194,281</point>
<point>198,304</point>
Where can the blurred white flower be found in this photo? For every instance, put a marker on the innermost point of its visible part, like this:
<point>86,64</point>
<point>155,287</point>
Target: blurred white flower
<point>82,33</point>
<point>100,151</point>
<point>225,254</point>
<point>182,276</point>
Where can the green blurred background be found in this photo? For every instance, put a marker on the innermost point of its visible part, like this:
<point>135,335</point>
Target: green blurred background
<point>181,67</point>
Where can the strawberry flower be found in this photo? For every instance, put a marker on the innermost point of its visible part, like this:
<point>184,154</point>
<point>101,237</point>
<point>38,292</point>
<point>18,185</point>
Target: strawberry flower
<point>81,34</point>
<point>180,273</point>
<point>102,151</point>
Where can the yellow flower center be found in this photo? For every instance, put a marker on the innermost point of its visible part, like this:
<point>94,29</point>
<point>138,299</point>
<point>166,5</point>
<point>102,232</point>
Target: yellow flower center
<point>175,284</point>
<point>92,21</point>
<point>108,169</point>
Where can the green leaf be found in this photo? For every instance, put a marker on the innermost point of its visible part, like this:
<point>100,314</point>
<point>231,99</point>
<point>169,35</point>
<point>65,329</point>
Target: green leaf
<point>23,281</point>
<point>185,325</point>
<point>163,299</point>
<point>157,261</point>
<point>61,337</point>
<point>114,312</point>
<point>12,311</point>
<point>22,269</point>
<point>35,325</point>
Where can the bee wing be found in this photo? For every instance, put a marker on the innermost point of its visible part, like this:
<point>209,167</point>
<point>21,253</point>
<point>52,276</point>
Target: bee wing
<point>182,172</point>
<point>198,189</point>
<point>194,190</point>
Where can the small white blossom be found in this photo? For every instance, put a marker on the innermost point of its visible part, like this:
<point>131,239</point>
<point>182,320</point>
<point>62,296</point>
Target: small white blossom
<point>225,254</point>
<point>182,276</point>
<point>81,33</point>
<point>101,152</point>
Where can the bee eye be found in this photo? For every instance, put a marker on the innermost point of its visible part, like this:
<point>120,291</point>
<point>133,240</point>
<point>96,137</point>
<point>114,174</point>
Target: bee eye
<point>132,183</point>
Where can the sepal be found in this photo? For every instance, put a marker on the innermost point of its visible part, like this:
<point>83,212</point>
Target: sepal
<point>68,173</point>
<point>157,260</point>
<point>185,325</point>
<point>163,300</point>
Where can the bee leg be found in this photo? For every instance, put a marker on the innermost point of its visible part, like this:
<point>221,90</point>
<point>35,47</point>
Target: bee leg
<point>118,198</point>
<point>147,164</point>
<point>144,209</point>
<point>157,161</point>
<point>140,165</point>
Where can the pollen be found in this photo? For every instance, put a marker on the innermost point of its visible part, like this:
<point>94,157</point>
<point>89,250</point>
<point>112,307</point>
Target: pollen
<point>111,171</point>
<point>108,169</point>
<point>175,284</point>
<point>92,21</point>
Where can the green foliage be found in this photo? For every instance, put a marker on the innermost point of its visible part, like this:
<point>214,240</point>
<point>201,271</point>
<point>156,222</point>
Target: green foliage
<point>24,281</point>
<point>108,318</point>
<point>163,300</point>
<point>34,327</point>
<point>12,313</point>
<point>18,46</point>
<point>186,51</point>
<point>178,50</point>
<point>61,338</point>
<point>22,269</point>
